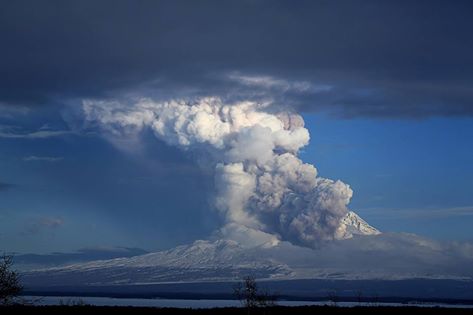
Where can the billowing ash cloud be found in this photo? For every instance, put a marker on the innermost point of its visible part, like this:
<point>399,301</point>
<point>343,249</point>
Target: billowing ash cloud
<point>261,184</point>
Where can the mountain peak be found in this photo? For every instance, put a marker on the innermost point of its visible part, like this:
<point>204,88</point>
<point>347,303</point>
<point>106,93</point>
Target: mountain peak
<point>353,224</point>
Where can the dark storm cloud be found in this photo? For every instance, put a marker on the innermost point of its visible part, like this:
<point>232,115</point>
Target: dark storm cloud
<point>380,58</point>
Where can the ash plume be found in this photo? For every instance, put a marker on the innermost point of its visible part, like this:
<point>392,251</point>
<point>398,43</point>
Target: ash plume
<point>261,184</point>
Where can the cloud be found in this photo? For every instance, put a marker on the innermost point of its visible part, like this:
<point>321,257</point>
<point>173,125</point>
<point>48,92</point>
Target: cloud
<point>10,112</point>
<point>374,61</point>
<point>26,261</point>
<point>273,83</point>
<point>5,186</point>
<point>41,134</point>
<point>43,224</point>
<point>428,212</point>
<point>260,182</point>
<point>43,158</point>
<point>385,256</point>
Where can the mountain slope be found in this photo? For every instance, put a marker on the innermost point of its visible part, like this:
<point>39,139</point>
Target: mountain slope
<point>364,253</point>
<point>199,261</point>
<point>352,224</point>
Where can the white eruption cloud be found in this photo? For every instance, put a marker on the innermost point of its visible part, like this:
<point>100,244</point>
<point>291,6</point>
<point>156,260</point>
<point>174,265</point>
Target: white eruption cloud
<point>261,184</point>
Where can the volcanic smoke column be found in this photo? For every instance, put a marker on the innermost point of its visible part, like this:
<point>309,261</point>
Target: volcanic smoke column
<point>261,184</point>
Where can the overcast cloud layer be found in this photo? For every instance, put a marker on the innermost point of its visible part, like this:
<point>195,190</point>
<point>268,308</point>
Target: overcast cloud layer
<point>363,58</point>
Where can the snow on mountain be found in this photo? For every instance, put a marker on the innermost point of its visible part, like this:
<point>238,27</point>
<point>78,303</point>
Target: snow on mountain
<point>200,254</point>
<point>352,224</point>
<point>361,253</point>
<point>200,261</point>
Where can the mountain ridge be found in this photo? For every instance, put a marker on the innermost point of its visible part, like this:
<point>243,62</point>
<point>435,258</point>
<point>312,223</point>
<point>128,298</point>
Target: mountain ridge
<point>364,253</point>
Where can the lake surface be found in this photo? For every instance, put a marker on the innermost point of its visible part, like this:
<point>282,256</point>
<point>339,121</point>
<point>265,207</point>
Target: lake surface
<point>181,303</point>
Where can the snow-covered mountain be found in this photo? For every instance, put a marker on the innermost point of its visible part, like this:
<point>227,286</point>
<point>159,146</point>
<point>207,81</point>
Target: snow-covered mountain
<point>363,253</point>
<point>200,261</point>
<point>352,224</point>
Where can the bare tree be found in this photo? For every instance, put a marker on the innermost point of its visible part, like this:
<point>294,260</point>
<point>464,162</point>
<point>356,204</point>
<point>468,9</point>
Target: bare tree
<point>333,297</point>
<point>10,286</point>
<point>359,296</point>
<point>251,296</point>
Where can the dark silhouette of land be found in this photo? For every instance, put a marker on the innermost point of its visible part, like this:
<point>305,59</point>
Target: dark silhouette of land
<point>275,310</point>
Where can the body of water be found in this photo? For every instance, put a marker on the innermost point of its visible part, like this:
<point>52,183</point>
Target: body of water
<point>182,303</point>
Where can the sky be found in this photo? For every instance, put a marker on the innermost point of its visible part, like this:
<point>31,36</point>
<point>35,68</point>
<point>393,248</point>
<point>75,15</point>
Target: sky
<point>384,89</point>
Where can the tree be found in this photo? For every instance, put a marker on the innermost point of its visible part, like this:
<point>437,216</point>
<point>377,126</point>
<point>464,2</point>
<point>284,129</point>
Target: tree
<point>359,296</point>
<point>10,286</point>
<point>251,296</point>
<point>333,298</point>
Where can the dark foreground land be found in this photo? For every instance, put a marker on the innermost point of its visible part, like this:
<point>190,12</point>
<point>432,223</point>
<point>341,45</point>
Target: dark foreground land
<point>276,310</point>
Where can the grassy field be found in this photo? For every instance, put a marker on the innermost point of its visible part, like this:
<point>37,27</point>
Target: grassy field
<point>277,310</point>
